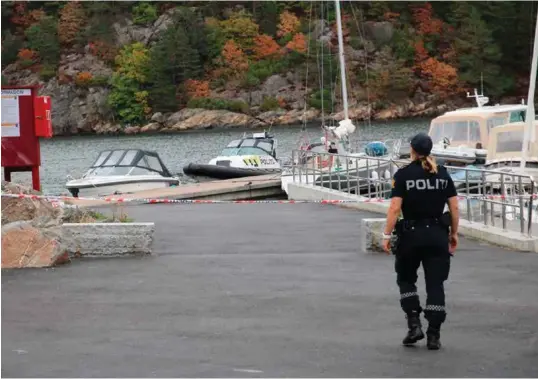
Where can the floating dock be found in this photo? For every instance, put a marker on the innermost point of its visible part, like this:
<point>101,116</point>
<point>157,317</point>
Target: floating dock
<point>253,187</point>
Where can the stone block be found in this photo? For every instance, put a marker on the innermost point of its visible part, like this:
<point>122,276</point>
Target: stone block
<point>371,235</point>
<point>108,239</point>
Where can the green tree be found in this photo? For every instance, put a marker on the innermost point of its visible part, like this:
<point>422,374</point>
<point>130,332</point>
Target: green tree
<point>128,97</point>
<point>144,13</point>
<point>11,44</point>
<point>43,38</point>
<point>173,60</point>
<point>477,51</point>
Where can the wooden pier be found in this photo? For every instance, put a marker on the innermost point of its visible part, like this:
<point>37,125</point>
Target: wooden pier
<point>253,187</point>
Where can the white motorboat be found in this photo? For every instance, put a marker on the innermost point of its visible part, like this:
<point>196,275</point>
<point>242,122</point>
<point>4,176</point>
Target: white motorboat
<point>121,172</point>
<point>461,136</point>
<point>505,152</point>
<point>248,156</point>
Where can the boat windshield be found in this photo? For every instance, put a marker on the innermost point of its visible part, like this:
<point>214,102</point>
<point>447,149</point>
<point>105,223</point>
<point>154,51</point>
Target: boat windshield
<point>249,146</point>
<point>509,141</point>
<point>458,131</point>
<point>127,162</point>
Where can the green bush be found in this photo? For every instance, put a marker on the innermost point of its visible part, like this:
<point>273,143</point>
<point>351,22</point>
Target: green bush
<point>212,103</point>
<point>265,68</point>
<point>402,46</point>
<point>100,81</point>
<point>144,13</point>
<point>43,38</point>
<point>47,72</point>
<point>10,48</point>
<point>269,103</point>
<point>315,100</point>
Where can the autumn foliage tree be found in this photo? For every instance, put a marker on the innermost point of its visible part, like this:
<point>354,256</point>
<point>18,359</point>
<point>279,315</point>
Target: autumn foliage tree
<point>197,89</point>
<point>72,19</point>
<point>23,17</point>
<point>234,59</point>
<point>27,57</point>
<point>241,28</point>
<point>265,47</point>
<point>431,48</point>
<point>83,79</point>
<point>298,43</point>
<point>289,24</point>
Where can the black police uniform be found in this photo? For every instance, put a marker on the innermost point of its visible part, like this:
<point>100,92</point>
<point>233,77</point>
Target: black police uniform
<point>425,239</point>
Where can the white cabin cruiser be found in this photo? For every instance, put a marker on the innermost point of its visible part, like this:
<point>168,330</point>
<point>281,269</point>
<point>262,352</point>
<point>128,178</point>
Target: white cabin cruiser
<point>248,156</point>
<point>122,171</point>
<point>461,136</point>
<point>505,151</point>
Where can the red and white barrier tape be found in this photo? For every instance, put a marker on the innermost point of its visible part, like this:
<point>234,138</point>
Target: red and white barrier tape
<point>115,199</point>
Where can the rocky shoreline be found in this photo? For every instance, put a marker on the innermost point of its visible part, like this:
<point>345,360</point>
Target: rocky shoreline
<point>80,110</point>
<point>189,119</point>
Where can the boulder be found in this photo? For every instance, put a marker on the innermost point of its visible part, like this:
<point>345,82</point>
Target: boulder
<point>379,32</point>
<point>182,115</point>
<point>207,119</point>
<point>24,209</point>
<point>153,127</point>
<point>24,245</point>
<point>158,117</point>
<point>107,128</point>
<point>273,85</point>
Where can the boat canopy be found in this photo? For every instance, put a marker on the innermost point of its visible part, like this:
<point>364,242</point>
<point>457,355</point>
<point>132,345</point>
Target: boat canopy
<point>471,126</point>
<point>506,143</point>
<point>250,146</point>
<point>128,162</point>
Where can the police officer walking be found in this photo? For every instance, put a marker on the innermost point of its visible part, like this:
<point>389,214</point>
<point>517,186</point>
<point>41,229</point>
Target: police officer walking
<point>426,235</point>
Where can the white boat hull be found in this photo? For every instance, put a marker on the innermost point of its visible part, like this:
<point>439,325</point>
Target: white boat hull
<point>97,187</point>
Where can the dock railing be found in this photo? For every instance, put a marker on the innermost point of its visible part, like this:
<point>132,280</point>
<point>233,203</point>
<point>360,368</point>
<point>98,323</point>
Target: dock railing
<point>493,197</point>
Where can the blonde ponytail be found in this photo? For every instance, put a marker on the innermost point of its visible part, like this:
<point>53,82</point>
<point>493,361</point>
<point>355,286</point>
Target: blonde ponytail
<point>429,164</point>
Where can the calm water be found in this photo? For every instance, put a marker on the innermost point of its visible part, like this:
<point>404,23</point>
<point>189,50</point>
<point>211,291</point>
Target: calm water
<point>61,156</point>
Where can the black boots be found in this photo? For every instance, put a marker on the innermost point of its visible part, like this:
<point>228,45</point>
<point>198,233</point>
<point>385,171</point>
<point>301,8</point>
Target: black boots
<point>433,334</point>
<point>415,332</point>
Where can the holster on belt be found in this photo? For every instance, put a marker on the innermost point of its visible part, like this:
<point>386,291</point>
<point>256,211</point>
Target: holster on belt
<point>396,236</point>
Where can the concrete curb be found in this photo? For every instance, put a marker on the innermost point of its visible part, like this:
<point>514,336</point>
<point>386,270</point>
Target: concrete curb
<point>110,239</point>
<point>372,235</point>
<point>486,233</point>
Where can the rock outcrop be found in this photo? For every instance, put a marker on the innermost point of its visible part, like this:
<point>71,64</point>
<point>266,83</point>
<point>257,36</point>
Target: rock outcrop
<point>31,234</point>
<point>26,245</point>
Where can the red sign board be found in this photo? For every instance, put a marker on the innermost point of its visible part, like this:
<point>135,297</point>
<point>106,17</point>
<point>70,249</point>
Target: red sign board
<point>25,118</point>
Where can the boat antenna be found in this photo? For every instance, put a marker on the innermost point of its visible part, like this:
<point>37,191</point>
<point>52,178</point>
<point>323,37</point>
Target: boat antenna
<point>530,115</point>
<point>480,99</point>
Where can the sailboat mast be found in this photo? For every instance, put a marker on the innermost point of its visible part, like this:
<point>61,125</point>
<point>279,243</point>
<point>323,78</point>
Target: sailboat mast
<point>342,60</point>
<point>530,115</point>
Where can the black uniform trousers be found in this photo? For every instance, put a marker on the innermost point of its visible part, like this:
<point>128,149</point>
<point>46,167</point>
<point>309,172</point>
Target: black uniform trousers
<point>426,244</point>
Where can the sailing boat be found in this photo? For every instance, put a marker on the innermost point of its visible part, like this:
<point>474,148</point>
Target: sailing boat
<point>357,170</point>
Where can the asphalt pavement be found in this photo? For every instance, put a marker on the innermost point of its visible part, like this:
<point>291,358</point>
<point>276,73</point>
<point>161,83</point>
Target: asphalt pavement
<point>263,290</point>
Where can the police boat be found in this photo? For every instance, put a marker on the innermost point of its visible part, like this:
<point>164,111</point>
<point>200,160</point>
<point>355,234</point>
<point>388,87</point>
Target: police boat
<point>248,156</point>
<point>120,172</point>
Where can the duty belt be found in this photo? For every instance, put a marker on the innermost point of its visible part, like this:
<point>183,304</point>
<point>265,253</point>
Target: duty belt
<point>422,222</point>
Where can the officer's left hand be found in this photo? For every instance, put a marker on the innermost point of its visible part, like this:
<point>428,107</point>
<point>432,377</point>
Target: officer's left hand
<point>386,246</point>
